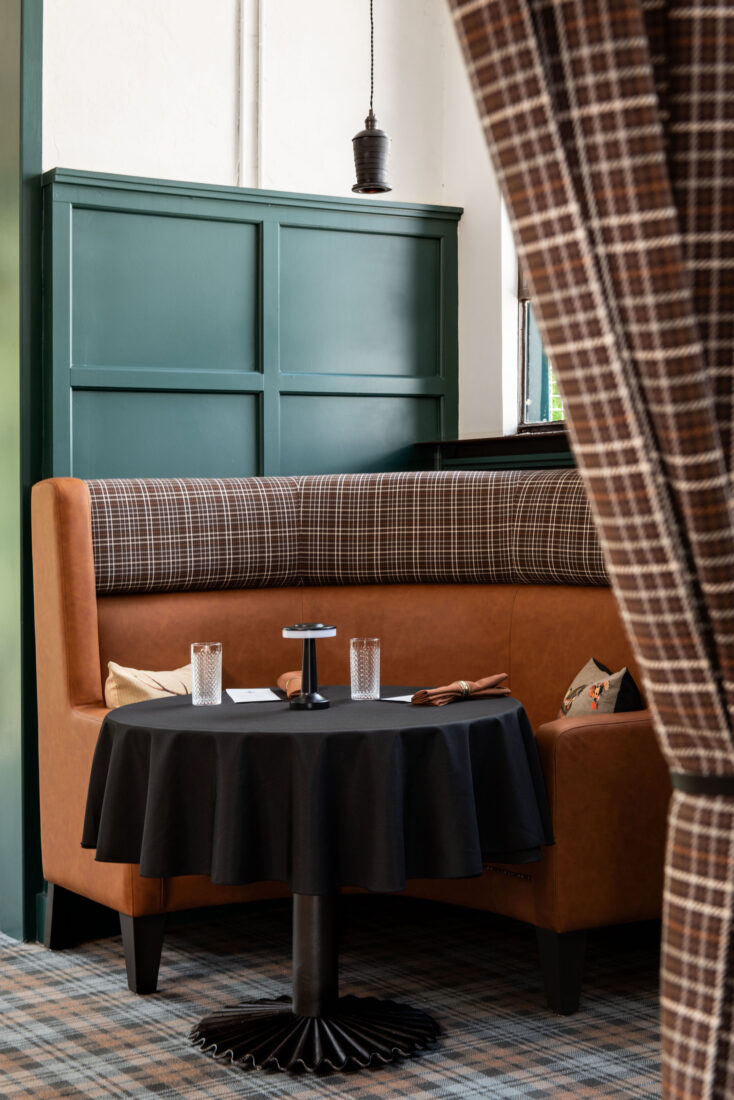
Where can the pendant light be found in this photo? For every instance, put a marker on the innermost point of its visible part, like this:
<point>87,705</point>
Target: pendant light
<point>371,144</point>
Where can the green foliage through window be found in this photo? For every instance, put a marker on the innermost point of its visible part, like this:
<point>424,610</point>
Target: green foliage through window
<point>541,400</point>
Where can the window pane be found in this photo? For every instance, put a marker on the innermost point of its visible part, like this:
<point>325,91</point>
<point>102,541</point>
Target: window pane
<point>542,399</point>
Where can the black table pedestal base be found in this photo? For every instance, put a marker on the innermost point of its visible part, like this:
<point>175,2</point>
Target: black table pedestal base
<point>308,701</point>
<point>356,1032</point>
<point>317,1031</point>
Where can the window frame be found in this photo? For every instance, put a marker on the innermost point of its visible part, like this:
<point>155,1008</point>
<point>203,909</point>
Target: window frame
<point>524,303</point>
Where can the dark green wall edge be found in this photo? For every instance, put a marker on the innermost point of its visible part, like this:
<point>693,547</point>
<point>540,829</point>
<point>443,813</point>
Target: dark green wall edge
<point>20,459</point>
<point>32,410</point>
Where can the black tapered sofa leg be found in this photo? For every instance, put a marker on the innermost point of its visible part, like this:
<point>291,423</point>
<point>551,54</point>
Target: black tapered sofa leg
<point>142,942</point>
<point>72,919</point>
<point>562,962</point>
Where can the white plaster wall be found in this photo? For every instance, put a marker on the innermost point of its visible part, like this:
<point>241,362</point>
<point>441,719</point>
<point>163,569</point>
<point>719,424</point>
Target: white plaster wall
<point>142,87</point>
<point>269,93</point>
<point>314,81</point>
<point>487,395</point>
<point>423,99</point>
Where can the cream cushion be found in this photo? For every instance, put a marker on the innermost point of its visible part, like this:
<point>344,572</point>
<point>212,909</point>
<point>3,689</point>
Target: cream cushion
<point>133,685</point>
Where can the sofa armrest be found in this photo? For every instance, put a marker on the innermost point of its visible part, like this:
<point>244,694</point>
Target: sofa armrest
<point>64,768</point>
<point>66,747</point>
<point>608,788</point>
<point>91,712</point>
<point>596,721</point>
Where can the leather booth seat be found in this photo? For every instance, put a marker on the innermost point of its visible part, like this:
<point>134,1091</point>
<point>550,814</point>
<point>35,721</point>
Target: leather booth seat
<point>425,562</point>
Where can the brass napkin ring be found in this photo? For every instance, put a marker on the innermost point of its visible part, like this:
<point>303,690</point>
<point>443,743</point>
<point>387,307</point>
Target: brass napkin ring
<point>465,689</point>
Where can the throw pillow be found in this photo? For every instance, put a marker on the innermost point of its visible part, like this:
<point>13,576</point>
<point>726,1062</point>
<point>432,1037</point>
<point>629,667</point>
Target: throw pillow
<point>597,690</point>
<point>133,685</point>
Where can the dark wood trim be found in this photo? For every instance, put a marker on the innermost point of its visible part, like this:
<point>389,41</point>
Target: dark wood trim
<point>562,962</point>
<point>546,448</point>
<point>552,427</point>
<point>72,919</point>
<point>142,942</point>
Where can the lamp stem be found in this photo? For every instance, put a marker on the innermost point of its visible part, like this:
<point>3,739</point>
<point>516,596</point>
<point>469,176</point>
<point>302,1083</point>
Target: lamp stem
<point>372,55</point>
<point>371,144</point>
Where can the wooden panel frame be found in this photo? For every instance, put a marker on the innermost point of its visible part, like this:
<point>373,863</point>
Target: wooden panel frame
<point>66,190</point>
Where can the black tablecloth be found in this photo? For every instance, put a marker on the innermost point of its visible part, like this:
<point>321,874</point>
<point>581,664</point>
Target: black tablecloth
<point>362,794</point>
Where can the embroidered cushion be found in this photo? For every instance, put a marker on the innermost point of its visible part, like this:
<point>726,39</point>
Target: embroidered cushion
<point>598,690</point>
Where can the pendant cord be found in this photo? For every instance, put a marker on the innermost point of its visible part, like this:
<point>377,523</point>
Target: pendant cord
<point>372,55</point>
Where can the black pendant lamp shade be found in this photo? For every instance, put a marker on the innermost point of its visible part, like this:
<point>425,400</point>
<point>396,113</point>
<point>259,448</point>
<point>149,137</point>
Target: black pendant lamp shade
<point>371,144</point>
<point>370,158</point>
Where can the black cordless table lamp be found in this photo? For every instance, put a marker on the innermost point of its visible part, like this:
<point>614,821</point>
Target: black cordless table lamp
<point>309,699</point>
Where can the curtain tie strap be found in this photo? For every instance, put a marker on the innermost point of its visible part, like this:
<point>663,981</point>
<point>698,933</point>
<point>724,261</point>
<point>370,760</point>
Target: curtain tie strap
<point>703,784</point>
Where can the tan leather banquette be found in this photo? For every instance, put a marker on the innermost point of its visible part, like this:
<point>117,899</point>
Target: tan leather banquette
<point>460,574</point>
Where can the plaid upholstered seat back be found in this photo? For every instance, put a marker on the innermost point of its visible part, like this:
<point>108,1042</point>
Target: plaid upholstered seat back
<point>182,534</point>
<point>472,527</point>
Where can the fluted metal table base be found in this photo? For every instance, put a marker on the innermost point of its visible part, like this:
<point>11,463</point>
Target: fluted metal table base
<point>317,1031</point>
<point>356,1032</point>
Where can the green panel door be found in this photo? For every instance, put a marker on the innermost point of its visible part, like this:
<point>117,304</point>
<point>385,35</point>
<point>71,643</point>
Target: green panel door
<point>359,303</point>
<point>321,434</point>
<point>162,292</point>
<point>119,434</point>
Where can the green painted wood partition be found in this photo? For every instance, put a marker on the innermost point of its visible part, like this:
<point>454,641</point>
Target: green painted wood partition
<point>20,452</point>
<point>195,330</point>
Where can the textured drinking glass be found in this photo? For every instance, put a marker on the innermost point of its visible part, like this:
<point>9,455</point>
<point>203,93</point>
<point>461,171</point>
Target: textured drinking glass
<point>364,664</point>
<point>206,673</point>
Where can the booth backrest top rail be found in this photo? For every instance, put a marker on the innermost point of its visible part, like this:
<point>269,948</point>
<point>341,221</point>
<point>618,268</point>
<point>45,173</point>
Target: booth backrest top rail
<point>501,527</point>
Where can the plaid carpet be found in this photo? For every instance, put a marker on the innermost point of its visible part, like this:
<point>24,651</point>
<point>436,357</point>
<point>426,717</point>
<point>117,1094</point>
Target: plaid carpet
<point>69,1026</point>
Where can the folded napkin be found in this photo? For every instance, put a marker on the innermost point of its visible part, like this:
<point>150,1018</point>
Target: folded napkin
<point>460,689</point>
<point>290,683</point>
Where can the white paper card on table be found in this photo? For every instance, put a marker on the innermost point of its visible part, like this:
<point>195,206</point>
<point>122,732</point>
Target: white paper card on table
<point>253,695</point>
<point>398,699</point>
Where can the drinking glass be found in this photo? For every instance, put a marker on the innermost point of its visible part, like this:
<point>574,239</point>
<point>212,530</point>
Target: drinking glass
<point>364,664</point>
<point>206,673</point>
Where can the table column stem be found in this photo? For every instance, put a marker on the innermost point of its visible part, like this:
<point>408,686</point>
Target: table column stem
<point>315,954</point>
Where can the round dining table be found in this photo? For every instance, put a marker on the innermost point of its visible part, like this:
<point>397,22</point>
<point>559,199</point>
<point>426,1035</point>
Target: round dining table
<point>363,794</point>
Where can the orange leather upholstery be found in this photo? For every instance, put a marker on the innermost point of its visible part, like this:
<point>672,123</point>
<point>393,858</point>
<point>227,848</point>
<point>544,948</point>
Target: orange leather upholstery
<point>607,783</point>
<point>555,629</point>
<point>608,789</point>
<point>158,628</point>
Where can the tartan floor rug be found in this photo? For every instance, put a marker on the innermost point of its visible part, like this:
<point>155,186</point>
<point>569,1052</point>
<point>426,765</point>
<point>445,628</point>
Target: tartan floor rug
<point>69,1027</point>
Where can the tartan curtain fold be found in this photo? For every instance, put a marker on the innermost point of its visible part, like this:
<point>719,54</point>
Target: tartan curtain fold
<point>611,128</point>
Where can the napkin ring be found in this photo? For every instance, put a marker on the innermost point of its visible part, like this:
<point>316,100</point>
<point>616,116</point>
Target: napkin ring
<point>465,689</point>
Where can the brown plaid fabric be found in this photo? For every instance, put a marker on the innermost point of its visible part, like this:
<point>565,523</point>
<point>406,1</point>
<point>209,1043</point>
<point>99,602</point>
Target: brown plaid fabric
<point>610,126</point>
<point>504,527</point>
<point>174,534</point>
<point>473,527</point>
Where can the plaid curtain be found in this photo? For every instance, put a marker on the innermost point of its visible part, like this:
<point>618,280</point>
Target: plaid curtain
<point>611,127</point>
